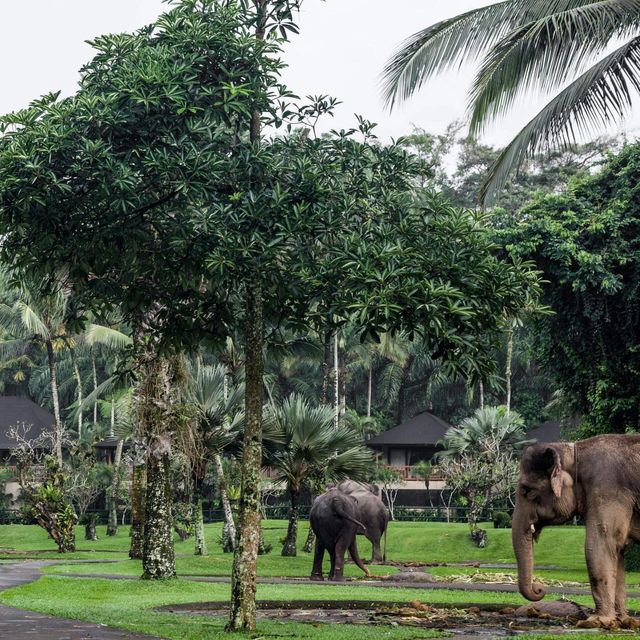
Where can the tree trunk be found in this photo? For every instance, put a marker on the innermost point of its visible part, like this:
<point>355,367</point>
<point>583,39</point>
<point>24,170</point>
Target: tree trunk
<point>336,378</point>
<point>158,556</point>
<point>229,523</point>
<point>138,491</point>
<point>289,548</point>
<point>326,365</point>
<point>481,393</point>
<point>112,524</point>
<point>311,537</point>
<point>95,388</point>
<point>90,532</point>
<point>370,389</point>
<point>508,369</point>
<point>245,559</point>
<point>78,377</point>
<point>154,414</point>
<point>56,401</point>
<point>198,524</point>
<point>406,368</point>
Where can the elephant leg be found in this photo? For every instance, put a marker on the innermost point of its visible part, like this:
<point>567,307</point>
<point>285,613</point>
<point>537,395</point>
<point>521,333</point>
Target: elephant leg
<point>318,557</point>
<point>626,621</point>
<point>621,589</point>
<point>355,556</point>
<point>376,555</point>
<point>340,550</point>
<point>332,556</point>
<point>606,533</point>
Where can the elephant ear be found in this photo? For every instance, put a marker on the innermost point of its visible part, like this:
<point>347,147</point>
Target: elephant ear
<point>553,466</point>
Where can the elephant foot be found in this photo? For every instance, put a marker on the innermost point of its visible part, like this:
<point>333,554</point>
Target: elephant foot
<point>599,622</point>
<point>338,579</point>
<point>318,577</point>
<point>628,622</point>
<point>377,561</point>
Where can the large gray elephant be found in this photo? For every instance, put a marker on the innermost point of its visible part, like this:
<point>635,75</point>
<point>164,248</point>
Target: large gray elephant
<point>371,511</point>
<point>598,479</point>
<point>333,520</point>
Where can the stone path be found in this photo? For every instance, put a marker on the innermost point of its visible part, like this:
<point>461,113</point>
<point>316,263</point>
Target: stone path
<point>27,625</point>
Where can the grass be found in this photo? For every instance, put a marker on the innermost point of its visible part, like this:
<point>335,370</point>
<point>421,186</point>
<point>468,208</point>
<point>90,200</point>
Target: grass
<point>129,604</point>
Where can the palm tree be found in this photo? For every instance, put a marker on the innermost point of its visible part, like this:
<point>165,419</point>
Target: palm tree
<point>218,418</point>
<point>311,442</point>
<point>488,429</point>
<point>36,319</point>
<point>556,46</point>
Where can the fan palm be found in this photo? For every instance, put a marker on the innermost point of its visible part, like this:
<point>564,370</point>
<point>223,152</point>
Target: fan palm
<point>488,429</point>
<point>218,418</point>
<point>311,443</point>
<point>557,46</point>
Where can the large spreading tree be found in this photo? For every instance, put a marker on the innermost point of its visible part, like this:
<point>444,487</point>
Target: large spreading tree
<point>182,211</point>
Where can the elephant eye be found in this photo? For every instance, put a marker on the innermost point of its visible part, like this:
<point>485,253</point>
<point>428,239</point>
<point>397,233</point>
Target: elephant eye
<point>527,492</point>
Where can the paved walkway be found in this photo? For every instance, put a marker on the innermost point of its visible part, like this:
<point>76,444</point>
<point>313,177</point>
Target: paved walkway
<point>27,625</point>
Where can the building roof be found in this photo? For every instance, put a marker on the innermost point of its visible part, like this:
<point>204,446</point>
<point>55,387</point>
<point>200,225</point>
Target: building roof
<point>550,431</point>
<point>16,410</point>
<point>422,430</point>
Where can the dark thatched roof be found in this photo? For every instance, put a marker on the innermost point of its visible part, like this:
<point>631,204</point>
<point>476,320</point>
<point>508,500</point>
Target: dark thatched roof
<point>549,431</point>
<point>16,410</point>
<point>423,430</point>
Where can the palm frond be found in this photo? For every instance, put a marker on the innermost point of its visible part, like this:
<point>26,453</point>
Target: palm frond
<point>31,320</point>
<point>545,53</point>
<point>107,336</point>
<point>598,96</point>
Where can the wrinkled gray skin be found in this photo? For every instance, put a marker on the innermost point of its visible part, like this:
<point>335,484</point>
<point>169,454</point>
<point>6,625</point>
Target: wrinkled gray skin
<point>371,512</point>
<point>599,480</point>
<point>333,520</point>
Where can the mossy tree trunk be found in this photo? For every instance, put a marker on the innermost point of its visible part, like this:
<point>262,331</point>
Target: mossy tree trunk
<point>245,559</point>
<point>154,406</point>
<point>198,524</point>
<point>289,548</point>
<point>230,533</point>
<point>138,491</point>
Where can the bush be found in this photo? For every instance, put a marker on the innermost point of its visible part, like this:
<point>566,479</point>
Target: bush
<point>501,520</point>
<point>632,557</point>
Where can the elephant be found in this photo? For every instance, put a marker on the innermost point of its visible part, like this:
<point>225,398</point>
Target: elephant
<point>371,512</point>
<point>333,520</point>
<point>598,479</point>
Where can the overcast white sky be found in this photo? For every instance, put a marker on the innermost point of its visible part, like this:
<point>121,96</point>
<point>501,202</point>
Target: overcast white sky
<point>341,50</point>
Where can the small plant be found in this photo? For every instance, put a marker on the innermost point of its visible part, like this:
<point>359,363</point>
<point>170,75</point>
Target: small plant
<point>501,520</point>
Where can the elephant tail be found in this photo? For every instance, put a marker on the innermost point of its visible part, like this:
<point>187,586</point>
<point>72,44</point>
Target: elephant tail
<point>340,510</point>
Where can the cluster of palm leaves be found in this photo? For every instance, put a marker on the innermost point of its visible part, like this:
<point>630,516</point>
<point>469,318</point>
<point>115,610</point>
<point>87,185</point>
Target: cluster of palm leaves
<point>584,53</point>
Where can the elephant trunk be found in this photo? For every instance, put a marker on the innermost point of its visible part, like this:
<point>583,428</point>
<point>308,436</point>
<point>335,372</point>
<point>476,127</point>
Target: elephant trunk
<point>522,537</point>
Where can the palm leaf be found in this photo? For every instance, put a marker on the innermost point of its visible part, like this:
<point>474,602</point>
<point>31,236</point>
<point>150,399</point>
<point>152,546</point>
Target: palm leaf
<point>31,320</point>
<point>107,336</point>
<point>546,53</point>
<point>464,38</point>
<point>600,95</point>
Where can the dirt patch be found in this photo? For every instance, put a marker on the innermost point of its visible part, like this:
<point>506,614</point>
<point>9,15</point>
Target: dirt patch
<point>468,619</point>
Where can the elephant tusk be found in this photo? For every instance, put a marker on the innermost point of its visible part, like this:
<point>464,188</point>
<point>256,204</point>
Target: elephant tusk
<point>533,529</point>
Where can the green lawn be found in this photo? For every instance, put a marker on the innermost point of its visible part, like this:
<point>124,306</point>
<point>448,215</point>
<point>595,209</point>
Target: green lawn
<point>129,604</point>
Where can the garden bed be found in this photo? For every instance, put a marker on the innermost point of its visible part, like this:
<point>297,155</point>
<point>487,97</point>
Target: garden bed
<point>461,619</point>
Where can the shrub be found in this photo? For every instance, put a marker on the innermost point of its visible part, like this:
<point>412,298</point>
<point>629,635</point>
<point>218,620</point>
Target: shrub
<point>501,520</point>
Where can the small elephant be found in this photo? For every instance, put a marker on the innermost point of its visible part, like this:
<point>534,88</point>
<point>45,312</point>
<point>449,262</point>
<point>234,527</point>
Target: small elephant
<point>598,479</point>
<point>333,520</point>
<point>371,512</point>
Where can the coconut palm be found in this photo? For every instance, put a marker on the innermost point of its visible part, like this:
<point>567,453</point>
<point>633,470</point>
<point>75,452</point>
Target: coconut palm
<point>555,46</point>
<point>311,442</point>
<point>34,319</point>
